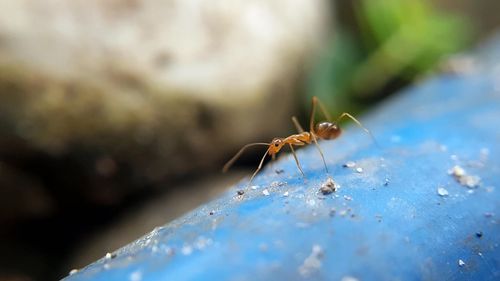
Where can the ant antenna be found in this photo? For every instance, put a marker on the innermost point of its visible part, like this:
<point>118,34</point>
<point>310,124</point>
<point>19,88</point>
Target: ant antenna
<point>237,155</point>
<point>345,114</point>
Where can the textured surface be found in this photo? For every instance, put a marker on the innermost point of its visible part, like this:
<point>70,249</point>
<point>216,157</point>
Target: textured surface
<point>402,217</point>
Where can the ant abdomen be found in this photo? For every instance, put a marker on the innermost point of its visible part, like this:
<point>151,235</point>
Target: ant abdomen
<point>327,130</point>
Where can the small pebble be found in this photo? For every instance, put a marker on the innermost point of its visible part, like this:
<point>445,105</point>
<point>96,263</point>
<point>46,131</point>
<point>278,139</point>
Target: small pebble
<point>328,187</point>
<point>240,192</point>
<point>211,213</point>
<point>442,191</point>
<point>279,171</point>
<point>359,170</point>
<point>461,263</point>
<point>479,234</point>
<point>265,192</point>
<point>349,164</point>
<point>110,256</point>
<point>285,194</point>
<point>254,187</point>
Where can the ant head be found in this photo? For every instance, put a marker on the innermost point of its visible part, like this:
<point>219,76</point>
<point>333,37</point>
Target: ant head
<point>276,145</point>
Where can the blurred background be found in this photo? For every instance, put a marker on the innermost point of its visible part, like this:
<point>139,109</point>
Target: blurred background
<point>116,116</point>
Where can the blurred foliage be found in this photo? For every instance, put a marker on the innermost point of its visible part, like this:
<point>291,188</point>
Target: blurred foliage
<point>386,45</point>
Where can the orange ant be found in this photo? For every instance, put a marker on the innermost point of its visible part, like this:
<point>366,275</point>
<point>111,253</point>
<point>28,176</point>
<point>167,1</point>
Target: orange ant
<point>326,130</point>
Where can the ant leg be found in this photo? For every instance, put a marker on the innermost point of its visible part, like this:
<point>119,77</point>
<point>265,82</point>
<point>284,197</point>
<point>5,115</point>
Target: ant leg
<point>316,101</point>
<point>297,124</point>
<point>313,111</point>
<point>321,153</point>
<point>259,167</point>
<point>345,114</point>
<point>323,110</point>
<point>297,160</point>
<point>237,155</point>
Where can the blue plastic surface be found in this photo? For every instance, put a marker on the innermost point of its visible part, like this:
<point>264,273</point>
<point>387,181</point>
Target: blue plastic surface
<point>386,222</point>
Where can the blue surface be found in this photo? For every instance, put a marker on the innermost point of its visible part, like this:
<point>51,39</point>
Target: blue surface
<point>386,223</point>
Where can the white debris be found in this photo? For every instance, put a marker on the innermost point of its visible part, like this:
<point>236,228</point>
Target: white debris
<point>277,183</point>
<point>265,192</point>
<point>349,164</point>
<point>285,194</point>
<point>136,276</point>
<point>466,180</point>
<point>461,263</point>
<point>395,138</point>
<point>484,153</point>
<point>202,242</point>
<point>108,256</point>
<point>73,271</point>
<point>254,187</point>
<point>186,250</point>
<point>312,262</point>
<point>457,171</point>
<point>349,278</point>
<point>442,191</point>
<point>359,170</point>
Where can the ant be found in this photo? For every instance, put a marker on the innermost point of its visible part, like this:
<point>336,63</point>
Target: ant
<point>326,130</point>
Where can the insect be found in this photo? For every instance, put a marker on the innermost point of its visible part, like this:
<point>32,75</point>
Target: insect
<point>326,130</point>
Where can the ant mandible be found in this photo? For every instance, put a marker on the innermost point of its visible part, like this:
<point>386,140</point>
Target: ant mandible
<point>326,130</point>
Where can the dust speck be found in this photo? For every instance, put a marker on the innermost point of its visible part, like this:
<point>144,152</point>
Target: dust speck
<point>349,278</point>
<point>286,194</point>
<point>136,276</point>
<point>488,214</point>
<point>348,198</point>
<point>254,187</point>
<point>265,192</point>
<point>240,192</point>
<point>312,262</point>
<point>359,170</point>
<point>461,263</point>
<point>441,191</point>
<point>463,178</point>
<point>186,250</point>
<point>349,164</point>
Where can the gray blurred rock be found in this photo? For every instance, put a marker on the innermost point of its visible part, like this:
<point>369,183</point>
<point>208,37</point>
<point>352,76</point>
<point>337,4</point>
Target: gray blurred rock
<point>159,87</point>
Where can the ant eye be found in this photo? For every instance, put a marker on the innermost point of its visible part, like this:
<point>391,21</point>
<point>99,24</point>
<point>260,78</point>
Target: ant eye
<point>276,144</point>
